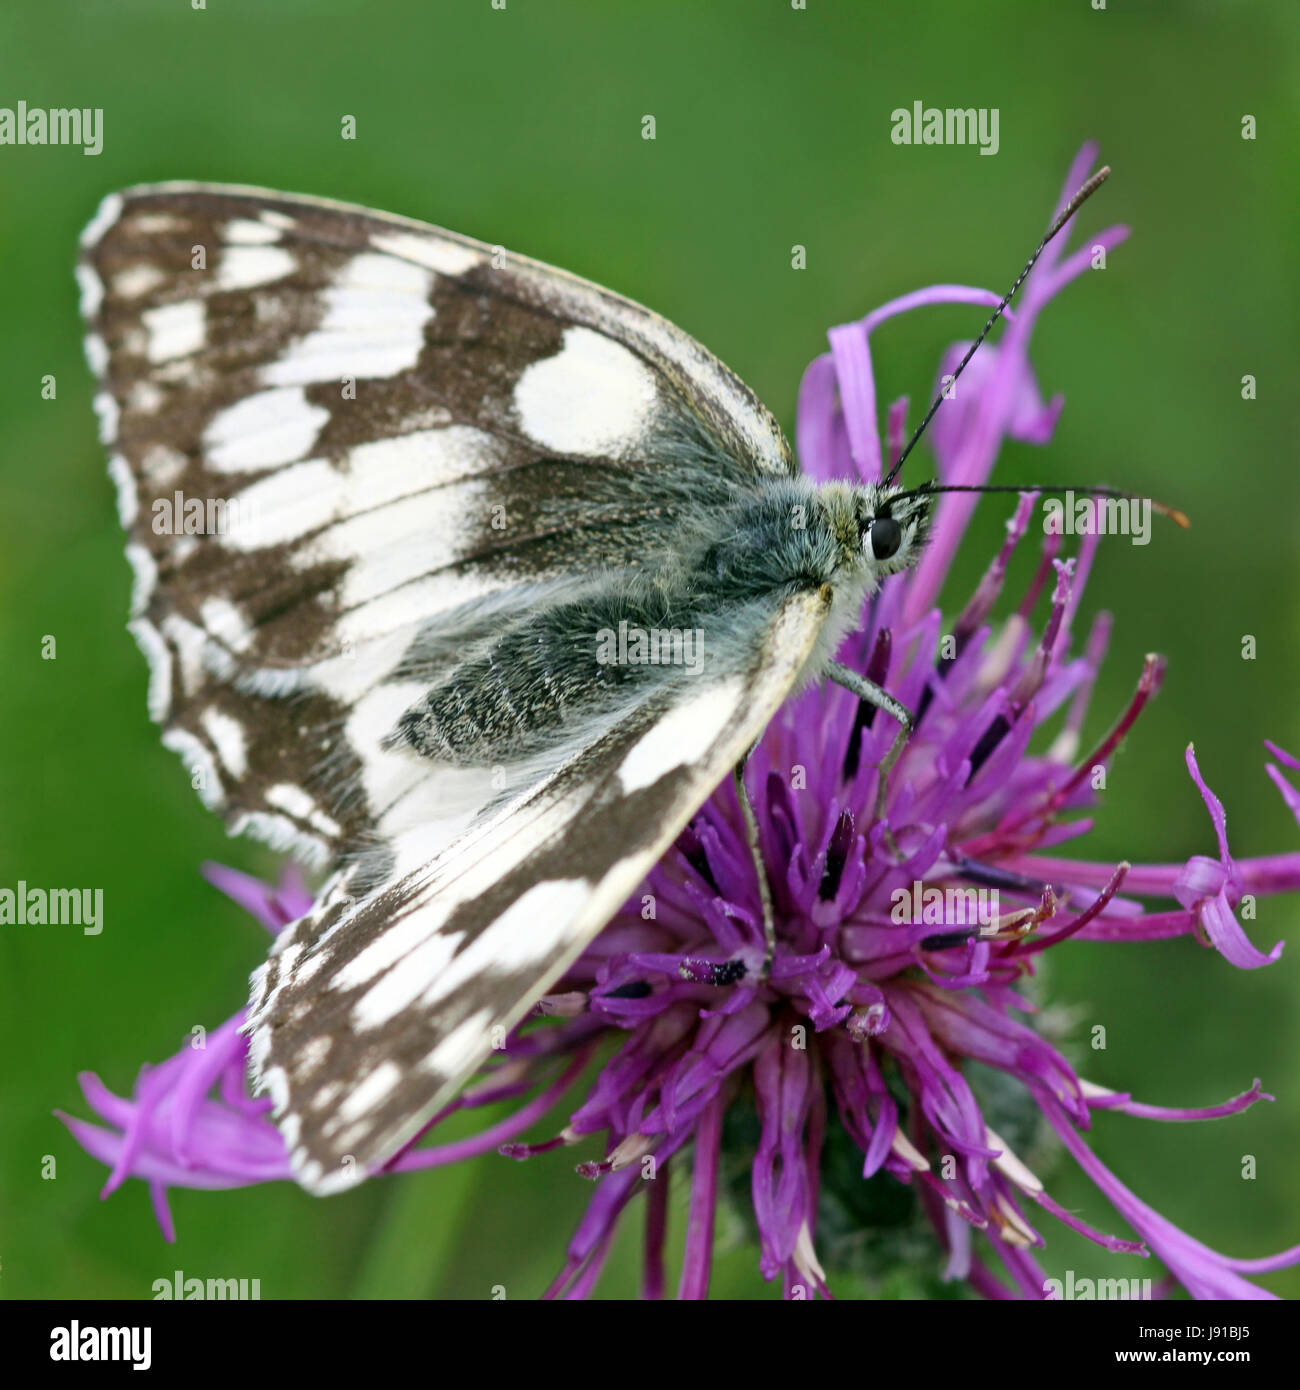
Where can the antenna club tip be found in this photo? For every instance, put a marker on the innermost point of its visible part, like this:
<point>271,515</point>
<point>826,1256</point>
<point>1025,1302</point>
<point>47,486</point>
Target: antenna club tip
<point>1175,514</point>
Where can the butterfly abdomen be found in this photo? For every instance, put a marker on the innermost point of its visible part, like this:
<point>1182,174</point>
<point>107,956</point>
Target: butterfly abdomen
<point>571,664</point>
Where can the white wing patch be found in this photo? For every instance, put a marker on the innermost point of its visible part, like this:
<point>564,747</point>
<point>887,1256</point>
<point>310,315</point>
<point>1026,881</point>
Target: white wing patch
<point>227,737</point>
<point>594,397</point>
<point>443,256</point>
<point>375,314</point>
<point>175,330</point>
<point>246,267</point>
<point>133,282</point>
<point>264,431</point>
<point>684,734</point>
<point>304,497</point>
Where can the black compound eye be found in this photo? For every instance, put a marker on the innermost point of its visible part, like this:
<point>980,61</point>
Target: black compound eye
<point>886,537</point>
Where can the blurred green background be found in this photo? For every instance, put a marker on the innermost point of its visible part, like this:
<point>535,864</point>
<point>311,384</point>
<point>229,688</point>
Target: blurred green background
<point>524,126</point>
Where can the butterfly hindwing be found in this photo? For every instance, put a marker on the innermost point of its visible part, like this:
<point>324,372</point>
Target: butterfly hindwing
<point>341,438</point>
<point>369,1015</point>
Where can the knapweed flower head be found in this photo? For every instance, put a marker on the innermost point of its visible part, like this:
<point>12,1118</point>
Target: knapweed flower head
<point>906,946</point>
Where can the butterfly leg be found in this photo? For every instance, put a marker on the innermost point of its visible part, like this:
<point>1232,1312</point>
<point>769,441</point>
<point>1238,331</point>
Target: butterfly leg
<point>756,853</point>
<point>881,699</point>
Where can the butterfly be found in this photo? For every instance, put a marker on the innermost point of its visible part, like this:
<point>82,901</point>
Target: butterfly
<point>420,529</point>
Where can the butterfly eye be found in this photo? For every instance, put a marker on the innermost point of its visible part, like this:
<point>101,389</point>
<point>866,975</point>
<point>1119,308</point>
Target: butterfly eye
<point>886,536</point>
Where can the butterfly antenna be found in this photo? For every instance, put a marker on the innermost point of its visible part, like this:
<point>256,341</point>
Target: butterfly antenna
<point>1073,206</point>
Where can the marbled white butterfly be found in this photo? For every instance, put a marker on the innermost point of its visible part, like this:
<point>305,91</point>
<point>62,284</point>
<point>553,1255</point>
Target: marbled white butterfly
<point>430,481</point>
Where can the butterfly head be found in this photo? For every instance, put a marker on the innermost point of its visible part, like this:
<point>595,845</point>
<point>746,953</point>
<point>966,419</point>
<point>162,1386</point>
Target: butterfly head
<point>892,524</point>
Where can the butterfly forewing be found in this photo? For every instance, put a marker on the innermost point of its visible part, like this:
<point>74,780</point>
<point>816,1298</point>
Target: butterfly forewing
<point>339,437</point>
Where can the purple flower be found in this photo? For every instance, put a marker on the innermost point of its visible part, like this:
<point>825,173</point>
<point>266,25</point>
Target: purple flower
<point>885,999</point>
